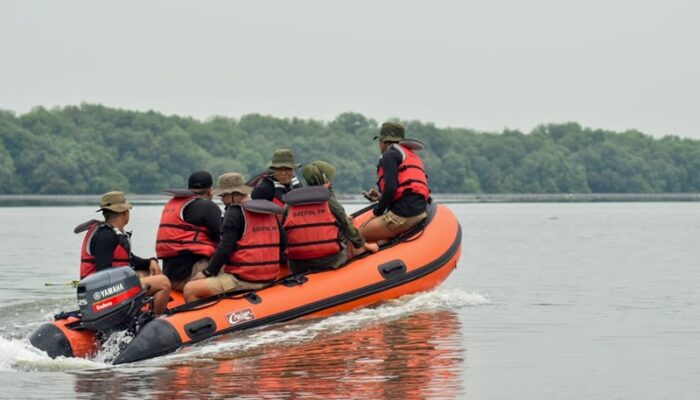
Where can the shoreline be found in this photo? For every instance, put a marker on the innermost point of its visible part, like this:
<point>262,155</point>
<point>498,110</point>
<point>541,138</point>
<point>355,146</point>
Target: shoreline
<point>13,200</point>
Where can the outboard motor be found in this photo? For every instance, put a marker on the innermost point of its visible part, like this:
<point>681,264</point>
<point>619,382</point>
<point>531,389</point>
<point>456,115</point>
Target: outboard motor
<point>110,299</point>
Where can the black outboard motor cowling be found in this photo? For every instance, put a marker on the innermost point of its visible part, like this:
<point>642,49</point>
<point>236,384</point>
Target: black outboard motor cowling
<point>110,299</point>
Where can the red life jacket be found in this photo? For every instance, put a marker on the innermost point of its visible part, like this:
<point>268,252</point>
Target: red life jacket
<point>312,229</point>
<point>257,254</point>
<point>411,175</point>
<point>120,258</point>
<point>175,235</point>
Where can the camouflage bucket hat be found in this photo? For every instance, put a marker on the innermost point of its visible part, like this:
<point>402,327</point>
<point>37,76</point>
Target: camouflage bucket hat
<point>391,132</point>
<point>284,158</point>
<point>230,183</point>
<point>114,201</point>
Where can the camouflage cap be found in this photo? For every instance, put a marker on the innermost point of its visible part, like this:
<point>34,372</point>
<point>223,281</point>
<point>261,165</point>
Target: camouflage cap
<point>391,132</point>
<point>318,173</point>
<point>284,158</point>
<point>114,201</point>
<point>232,182</point>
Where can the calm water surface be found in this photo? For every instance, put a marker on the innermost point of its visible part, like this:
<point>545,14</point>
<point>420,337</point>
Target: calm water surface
<point>550,301</point>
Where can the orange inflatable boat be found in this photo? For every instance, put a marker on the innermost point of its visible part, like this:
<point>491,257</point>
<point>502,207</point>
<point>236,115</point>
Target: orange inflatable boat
<point>417,261</point>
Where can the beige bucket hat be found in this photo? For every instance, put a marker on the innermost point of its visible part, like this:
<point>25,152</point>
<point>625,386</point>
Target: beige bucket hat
<point>114,201</point>
<point>232,182</point>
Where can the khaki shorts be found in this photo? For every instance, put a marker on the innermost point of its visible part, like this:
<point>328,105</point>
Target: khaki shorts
<point>397,224</point>
<point>224,282</point>
<point>197,267</point>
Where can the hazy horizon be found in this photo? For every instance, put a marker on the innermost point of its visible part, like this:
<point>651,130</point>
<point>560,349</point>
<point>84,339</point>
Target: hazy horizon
<point>479,65</point>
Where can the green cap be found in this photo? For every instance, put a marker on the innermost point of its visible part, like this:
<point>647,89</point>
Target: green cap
<point>284,158</point>
<point>232,182</point>
<point>391,132</point>
<point>318,173</point>
<point>114,201</point>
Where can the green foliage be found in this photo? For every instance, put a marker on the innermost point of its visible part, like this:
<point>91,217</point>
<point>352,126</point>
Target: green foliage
<point>94,149</point>
<point>8,180</point>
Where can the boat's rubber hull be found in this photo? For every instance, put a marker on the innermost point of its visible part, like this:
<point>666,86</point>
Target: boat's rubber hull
<point>417,264</point>
<point>58,339</point>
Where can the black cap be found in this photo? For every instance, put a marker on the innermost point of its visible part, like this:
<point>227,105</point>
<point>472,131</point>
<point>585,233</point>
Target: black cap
<point>200,180</point>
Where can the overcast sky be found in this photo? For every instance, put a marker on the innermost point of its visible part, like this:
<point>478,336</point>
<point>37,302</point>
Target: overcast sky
<point>486,65</point>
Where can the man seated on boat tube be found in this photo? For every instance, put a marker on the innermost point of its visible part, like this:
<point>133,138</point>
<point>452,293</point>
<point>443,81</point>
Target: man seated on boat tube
<point>403,186</point>
<point>274,186</point>
<point>107,245</point>
<point>317,227</point>
<point>249,253</point>
<point>189,230</point>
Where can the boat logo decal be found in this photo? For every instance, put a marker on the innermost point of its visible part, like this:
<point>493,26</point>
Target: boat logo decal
<point>116,300</point>
<point>108,291</point>
<point>237,317</point>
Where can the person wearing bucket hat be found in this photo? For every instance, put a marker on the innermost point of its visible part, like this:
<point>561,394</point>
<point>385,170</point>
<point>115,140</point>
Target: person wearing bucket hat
<point>391,132</point>
<point>232,189</point>
<point>189,230</point>
<point>107,245</point>
<point>275,185</point>
<point>318,229</point>
<point>403,187</point>
<point>249,254</point>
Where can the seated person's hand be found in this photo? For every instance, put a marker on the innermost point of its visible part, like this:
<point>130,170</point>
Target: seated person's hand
<point>154,268</point>
<point>373,247</point>
<point>372,195</point>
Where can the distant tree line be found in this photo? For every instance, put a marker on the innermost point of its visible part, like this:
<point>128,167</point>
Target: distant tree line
<point>91,149</point>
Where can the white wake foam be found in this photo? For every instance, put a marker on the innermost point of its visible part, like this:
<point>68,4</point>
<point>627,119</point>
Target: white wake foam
<point>305,331</point>
<point>112,346</point>
<point>20,355</point>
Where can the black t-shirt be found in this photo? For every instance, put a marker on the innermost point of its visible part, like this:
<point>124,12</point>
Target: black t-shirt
<point>265,189</point>
<point>410,204</point>
<point>200,212</point>
<point>204,212</point>
<point>102,247</point>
